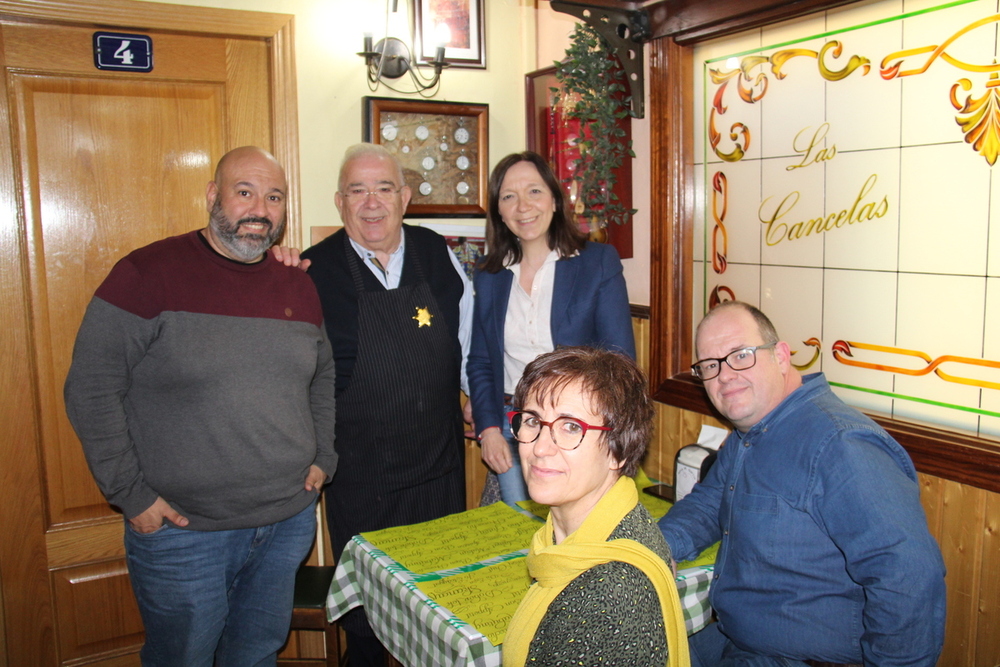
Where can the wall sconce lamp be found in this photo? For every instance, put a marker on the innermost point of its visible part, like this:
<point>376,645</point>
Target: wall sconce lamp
<point>390,58</point>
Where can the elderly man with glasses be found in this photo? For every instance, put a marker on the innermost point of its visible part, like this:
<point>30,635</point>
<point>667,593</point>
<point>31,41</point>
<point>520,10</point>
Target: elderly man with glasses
<point>826,558</point>
<point>397,307</point>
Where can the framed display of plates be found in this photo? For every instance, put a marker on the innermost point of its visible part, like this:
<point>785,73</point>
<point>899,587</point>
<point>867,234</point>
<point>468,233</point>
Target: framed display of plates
<point>444,150</point>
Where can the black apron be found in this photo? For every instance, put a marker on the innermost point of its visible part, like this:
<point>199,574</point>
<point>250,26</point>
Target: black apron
<point>399,423</point>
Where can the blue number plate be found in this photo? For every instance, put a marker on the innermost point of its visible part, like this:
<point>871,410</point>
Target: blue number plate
<point>118,51</point>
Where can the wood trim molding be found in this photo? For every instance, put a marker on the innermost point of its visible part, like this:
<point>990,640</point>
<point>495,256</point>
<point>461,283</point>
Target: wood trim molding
<point>26,605</point>
<point>640,312</point>
<point>149,16</point>
<point>671,252</point>
<point>285,113</point>
<point>947,454</point>
<point>690,21</point>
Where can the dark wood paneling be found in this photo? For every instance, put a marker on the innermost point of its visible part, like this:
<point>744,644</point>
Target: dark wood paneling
<point>690,21</point>
<point>672,211</point>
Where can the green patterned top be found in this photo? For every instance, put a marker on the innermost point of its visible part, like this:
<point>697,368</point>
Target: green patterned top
<point>609,615</point>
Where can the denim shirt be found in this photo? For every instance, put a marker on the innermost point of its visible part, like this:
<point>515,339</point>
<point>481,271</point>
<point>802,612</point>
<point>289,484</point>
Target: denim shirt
<point>825,549</point>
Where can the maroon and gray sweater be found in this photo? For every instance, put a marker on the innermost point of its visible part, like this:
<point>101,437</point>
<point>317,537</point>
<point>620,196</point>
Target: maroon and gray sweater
<point>205,381</point>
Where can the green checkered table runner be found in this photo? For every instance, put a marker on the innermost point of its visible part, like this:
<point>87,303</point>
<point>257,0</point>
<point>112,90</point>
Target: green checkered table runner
<point>419,631</point>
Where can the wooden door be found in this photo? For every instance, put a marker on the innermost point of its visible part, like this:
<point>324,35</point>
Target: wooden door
<point>95,164</point>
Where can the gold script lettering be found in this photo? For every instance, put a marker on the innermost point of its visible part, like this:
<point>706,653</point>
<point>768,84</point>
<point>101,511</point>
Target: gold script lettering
<point>859,211</point>
<point>810,152</point>
<point>776,230</point>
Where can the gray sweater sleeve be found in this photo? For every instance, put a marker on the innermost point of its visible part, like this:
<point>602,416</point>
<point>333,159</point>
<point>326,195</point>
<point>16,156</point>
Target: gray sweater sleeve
<point>111,341</point>
<point>322,402</point>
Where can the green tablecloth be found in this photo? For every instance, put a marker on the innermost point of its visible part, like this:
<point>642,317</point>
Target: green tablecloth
<point>471,562</point>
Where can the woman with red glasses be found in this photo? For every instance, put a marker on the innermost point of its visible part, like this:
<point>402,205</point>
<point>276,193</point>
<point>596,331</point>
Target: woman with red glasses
<point>602,592</point>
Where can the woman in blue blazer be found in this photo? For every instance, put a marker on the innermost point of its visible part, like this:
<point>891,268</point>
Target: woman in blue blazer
<point>542,285</point>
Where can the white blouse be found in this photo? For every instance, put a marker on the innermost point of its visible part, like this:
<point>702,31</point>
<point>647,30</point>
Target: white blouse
<point>527,330</point>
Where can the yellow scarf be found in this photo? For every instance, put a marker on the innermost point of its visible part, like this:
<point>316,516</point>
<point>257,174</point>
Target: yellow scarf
<point>553,566</point>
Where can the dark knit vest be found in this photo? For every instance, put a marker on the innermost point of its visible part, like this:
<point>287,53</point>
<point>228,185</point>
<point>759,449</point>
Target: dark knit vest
<point>339,298</point>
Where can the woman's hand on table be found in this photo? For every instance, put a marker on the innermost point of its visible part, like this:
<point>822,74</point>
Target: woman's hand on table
<point>496,450</point>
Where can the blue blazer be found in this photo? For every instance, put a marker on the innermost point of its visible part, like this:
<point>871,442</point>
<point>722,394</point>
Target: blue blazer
<point>589,307</point>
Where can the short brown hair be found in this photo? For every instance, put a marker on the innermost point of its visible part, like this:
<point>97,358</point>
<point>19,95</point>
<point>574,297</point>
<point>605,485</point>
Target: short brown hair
<point>615,387</point>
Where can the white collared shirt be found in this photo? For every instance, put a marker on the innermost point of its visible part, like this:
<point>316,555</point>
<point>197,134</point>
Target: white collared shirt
<point>394,272</point>
<point>527,328</point>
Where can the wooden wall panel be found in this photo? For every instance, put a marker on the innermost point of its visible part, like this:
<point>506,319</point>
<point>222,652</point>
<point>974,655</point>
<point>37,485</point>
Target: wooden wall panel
<point>244,59</point>
<point>640,329</point>
<point>58,48</point>
<point>475,474</point>
<point>988,606</point>
<point>930,498</point>
<point>961,543</point>
<point>96,609</point>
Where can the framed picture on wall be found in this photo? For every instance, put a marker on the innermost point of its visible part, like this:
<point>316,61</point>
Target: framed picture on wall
<point>467,241</point>
<point>444,150</point>
<point>455,24</point>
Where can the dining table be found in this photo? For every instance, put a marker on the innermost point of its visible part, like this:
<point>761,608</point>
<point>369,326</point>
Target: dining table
<point>443,592</point>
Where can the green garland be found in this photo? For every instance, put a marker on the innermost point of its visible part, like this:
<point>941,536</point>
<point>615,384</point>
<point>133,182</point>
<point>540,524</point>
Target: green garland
<point>593,82</point>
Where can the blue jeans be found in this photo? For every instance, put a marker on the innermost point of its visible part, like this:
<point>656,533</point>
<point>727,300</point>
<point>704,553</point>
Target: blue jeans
<point>512,486</point>
<point>222,597</point>
<point>711,648</point>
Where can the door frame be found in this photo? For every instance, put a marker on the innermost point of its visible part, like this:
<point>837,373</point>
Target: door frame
<point>27,608</point>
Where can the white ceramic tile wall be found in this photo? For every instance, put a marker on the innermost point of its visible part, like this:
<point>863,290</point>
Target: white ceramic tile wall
<point>864,185</point>
<point>700,211</point>
<point>863,111</point>
<point>928,115</point>
<point>742,227</point>
<point>742,279</point>
<point>990,399</point>
<point>915,277</point>
<point>790,199</point>
<point>859,307</point>
<point>939,315</point>
<point>944,210</point>
<point>698,305</point>
<point>788,298</point>
<point>738,118</point>
<point>993,251</point>
<point>792,103</point>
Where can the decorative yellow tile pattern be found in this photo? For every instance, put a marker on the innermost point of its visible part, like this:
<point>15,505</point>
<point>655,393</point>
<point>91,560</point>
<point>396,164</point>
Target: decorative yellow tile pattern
<point>847,188</point>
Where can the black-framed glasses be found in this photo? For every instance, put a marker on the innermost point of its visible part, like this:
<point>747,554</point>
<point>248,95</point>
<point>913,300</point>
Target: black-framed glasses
<point>738,360</point>
<point>567,432</point>
<point>383,193</point>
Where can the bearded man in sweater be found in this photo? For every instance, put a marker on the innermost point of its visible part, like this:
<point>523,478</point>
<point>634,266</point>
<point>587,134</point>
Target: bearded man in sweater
<point>202,389</point>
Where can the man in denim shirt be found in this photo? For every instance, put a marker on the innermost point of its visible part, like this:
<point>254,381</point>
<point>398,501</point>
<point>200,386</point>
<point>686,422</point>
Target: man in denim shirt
<point>826,557</point>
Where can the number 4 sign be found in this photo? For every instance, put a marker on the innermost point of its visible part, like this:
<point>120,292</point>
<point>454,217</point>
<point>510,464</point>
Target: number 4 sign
<point>118,51</point>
